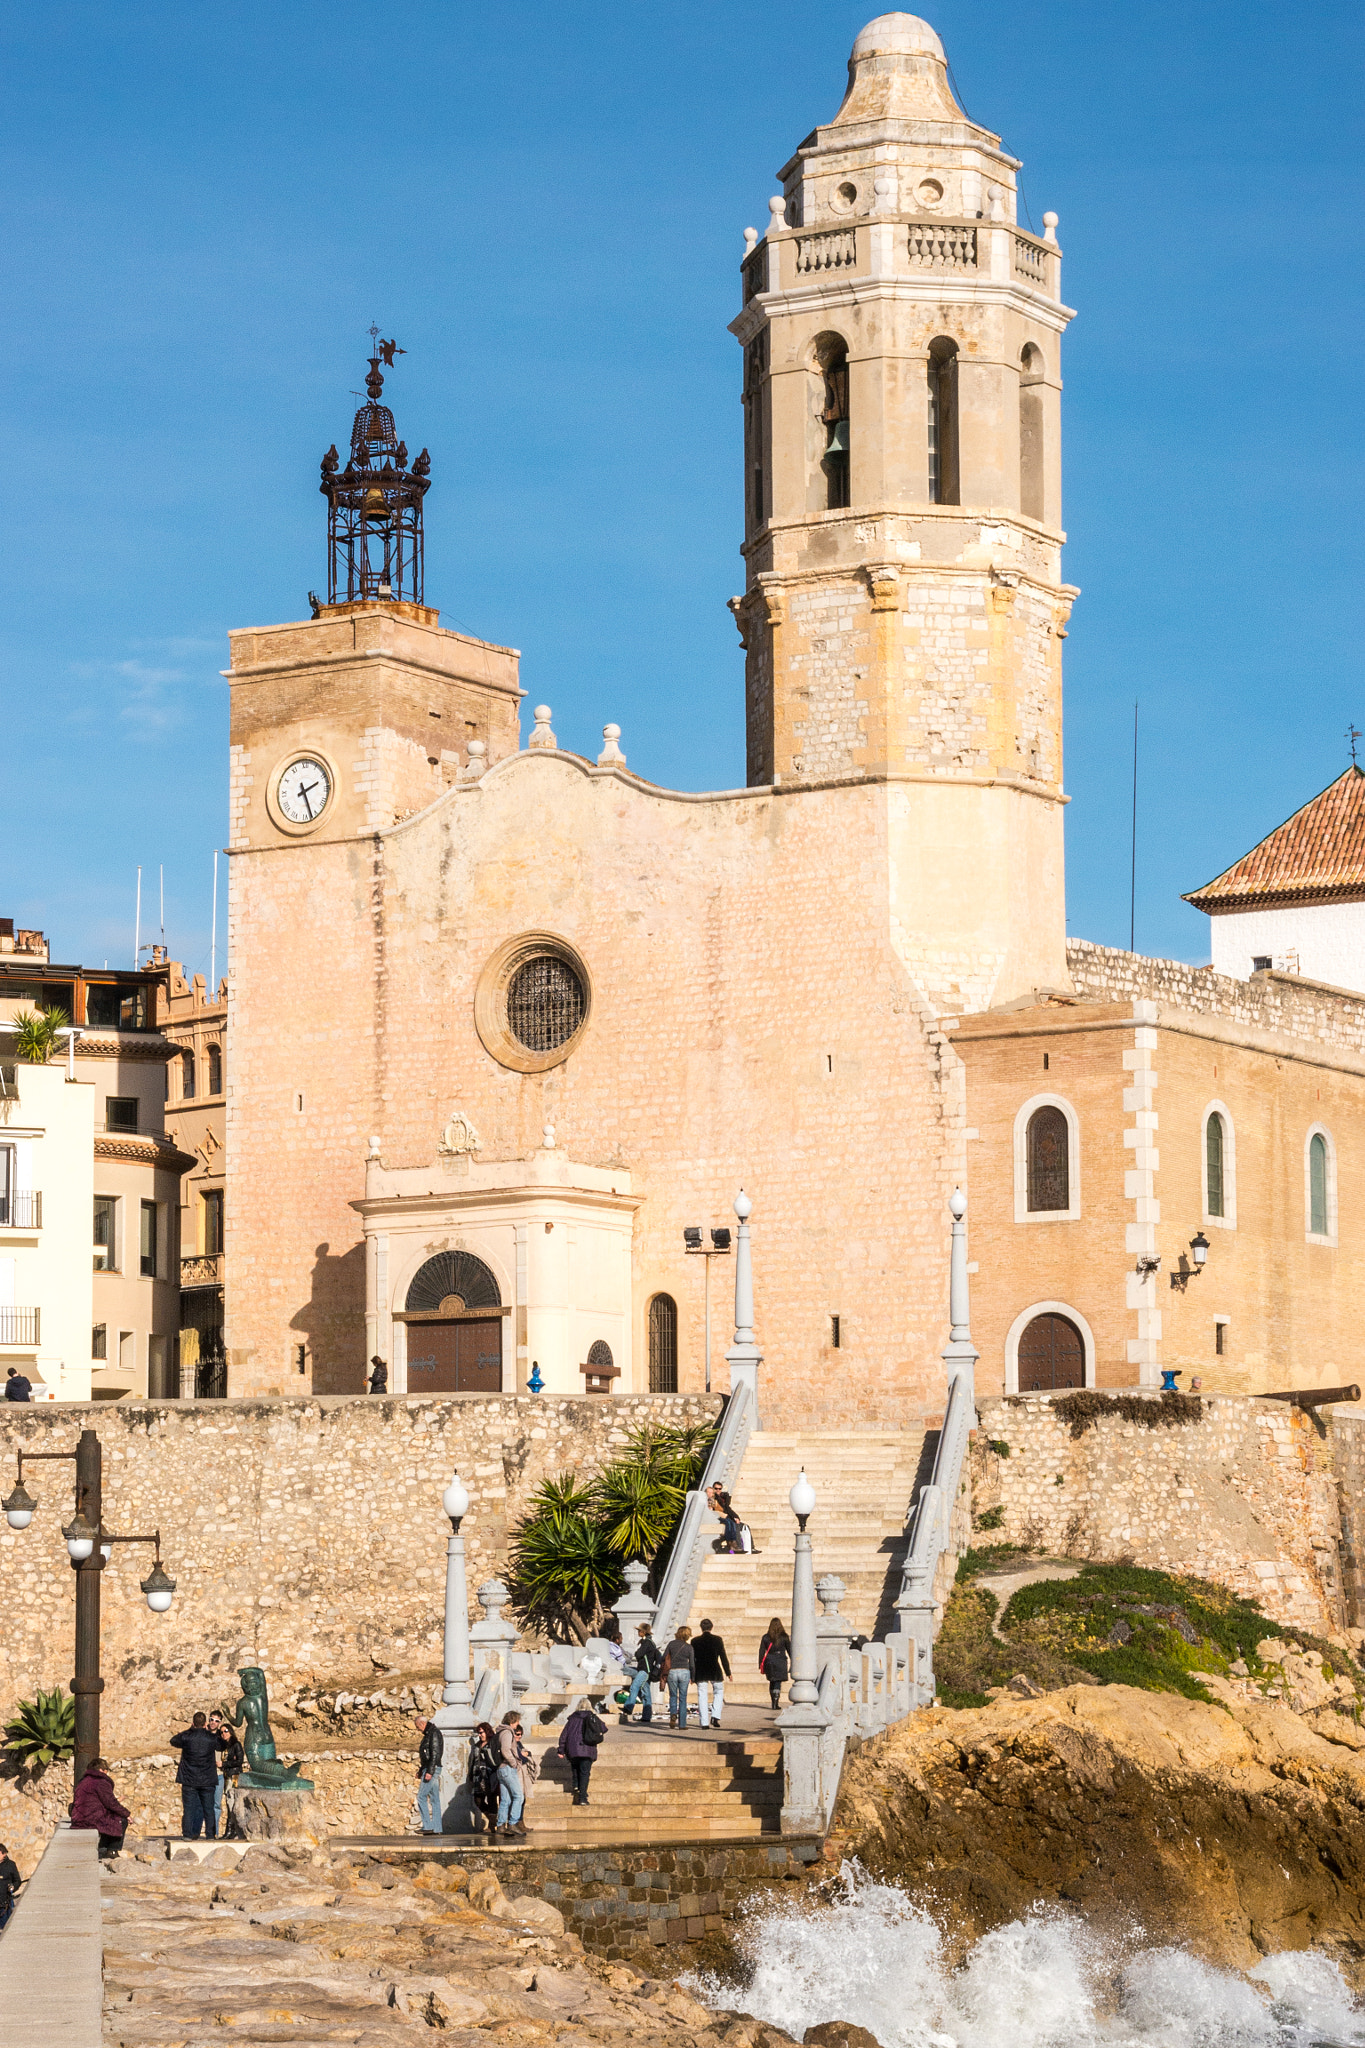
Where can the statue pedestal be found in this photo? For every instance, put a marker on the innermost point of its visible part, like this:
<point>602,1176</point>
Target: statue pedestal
<point>274,1815</point>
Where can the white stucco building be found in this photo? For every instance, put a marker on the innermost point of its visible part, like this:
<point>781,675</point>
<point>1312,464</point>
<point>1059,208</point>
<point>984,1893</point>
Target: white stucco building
<point>1296,903</point>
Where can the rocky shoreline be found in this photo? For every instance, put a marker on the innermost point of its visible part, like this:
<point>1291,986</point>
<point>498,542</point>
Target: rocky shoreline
<point>1235,1828</point>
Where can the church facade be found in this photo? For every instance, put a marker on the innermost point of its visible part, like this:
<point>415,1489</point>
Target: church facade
<point>505,1022</point>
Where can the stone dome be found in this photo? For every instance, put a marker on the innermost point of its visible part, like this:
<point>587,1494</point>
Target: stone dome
<point>897,35</point>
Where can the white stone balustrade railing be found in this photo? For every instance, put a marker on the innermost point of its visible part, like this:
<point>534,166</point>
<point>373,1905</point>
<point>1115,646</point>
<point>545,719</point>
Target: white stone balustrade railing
<point>861,1692</point>
<point>994,248</point>
<point>697,1529</point>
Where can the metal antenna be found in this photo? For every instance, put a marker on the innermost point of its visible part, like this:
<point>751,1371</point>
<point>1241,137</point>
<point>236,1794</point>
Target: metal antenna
<point>1132,873</point>
<point>1353,734</point>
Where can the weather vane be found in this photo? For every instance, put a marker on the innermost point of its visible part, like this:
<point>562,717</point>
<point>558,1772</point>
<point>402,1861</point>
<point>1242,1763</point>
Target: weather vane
<point>1353,734</point>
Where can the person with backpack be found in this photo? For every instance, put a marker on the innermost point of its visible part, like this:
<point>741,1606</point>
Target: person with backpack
<point>649,1666</point>
<point>775,1658</point>
<point>578,1745</point>
<point>678,1671</point>
<point>482,1775</point>
<point>710,1668</point>
<point>516,1771</point>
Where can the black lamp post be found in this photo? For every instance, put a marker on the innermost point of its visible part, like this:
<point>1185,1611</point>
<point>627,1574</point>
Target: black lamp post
<point>718,1248</point>
<point>88,1544</point>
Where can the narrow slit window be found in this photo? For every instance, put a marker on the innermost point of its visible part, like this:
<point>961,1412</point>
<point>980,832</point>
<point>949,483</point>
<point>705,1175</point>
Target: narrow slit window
<point>1317,1185</point>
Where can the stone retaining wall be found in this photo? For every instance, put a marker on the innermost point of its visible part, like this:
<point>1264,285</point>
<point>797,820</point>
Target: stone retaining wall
<point>621,1900</point>
<point>1254,1495</point>
<point>305,1536</point>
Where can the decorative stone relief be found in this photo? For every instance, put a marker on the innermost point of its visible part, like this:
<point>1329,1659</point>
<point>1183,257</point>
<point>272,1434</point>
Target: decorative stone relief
<point>459,1136</point>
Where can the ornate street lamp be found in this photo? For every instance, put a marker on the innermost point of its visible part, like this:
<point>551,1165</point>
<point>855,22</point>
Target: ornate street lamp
<point>89,1546</point>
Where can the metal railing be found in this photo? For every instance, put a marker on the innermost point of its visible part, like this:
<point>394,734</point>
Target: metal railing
<point>21,1210</point>
<point>692,1543</point>
<point>202,1270</point>
<point>20,1326</point>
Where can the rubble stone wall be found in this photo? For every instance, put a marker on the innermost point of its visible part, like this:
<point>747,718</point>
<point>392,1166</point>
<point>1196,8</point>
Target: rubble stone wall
<point>305,1536</point>
<point>1254,1495</point>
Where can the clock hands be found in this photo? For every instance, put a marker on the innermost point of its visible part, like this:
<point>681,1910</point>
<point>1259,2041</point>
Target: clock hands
<point>304,788</point>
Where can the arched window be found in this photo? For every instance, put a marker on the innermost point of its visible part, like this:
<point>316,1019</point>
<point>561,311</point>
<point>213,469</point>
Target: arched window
<point>943,451</point>
<point>755,426</point>
<point>1321,1188</point>
<point>453,1282</point>
<point>1051,1354</point>
<point>663,1345</point>
<point>186,1075</point>
<point>1049,1162</point>
<point>1213,1164</point>
<point>1031,432</point>
<point>832,359</point>
<point>215,1070</point>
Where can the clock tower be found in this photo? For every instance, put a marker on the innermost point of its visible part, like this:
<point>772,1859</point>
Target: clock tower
<point>342,726</point>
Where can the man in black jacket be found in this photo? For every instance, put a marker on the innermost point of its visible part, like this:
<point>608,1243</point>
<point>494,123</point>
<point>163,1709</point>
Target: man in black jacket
<point>197,1777</point>
<point>710,1668</point>
<point>429,1754</point>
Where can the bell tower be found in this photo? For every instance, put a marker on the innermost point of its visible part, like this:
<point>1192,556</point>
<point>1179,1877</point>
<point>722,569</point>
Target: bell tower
<point>904,608</point>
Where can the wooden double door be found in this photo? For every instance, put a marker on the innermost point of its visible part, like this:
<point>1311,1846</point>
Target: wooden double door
<point>459,1356</point>
<point>1051,1355</point>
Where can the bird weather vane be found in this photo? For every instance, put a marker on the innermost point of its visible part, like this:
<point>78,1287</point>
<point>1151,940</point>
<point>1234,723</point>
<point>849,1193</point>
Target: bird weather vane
<point>384,351</point>
<point>1352,735</point>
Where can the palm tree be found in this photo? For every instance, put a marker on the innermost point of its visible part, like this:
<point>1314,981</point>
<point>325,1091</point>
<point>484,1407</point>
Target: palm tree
<point>38,1033</point>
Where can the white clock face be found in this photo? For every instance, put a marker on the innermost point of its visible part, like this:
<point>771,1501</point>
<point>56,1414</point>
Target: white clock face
<point>305,790</point>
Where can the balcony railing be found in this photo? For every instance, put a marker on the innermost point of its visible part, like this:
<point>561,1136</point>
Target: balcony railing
<point>20,1326</point>
<point>941,245</point>
<point>1030,260</point>
<point>21,1211</point>
<point>202,1271</point>
<point>837,250</point>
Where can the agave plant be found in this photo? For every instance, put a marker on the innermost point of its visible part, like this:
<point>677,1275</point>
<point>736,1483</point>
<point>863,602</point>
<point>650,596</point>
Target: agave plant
<point>43,1730</point>
<point>37,1033</point>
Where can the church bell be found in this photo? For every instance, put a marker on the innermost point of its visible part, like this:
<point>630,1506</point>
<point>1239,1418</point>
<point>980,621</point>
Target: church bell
<point>838,438</point>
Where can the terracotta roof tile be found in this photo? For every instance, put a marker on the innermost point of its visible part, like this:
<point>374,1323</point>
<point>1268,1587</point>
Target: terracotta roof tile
<point>1317,856</point>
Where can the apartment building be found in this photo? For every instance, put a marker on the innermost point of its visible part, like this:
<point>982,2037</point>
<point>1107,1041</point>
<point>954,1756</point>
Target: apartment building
<point>194,1018</point>
<point>89,1182</point>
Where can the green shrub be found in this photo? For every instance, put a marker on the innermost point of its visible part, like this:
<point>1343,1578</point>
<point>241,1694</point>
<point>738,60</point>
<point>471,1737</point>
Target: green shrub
<point>991,1518</point>
<point>567,1552</point>
<point>1000,1447</point>
<point>43,1730</point>
<point>37,1031</point>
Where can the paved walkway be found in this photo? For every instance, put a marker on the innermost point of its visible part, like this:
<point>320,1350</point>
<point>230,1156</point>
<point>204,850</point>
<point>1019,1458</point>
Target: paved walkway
<point>50,1989</point>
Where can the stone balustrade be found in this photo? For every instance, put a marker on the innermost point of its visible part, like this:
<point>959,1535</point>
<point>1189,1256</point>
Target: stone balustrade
<point>994,249</point>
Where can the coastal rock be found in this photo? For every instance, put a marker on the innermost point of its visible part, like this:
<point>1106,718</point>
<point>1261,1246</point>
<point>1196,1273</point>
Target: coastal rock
<point>1237,1823</point>
<point>840,2034</point>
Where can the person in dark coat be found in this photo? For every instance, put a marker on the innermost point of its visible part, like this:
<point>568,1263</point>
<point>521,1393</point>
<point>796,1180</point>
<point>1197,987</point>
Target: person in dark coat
<point>429,1753</point>
<point>230,1767</point>
<point>710,1668</point>
<point>775,1658</point>
<point>17,1386</point>
<point>97,1806</point>
<point>649,1664</point>
<point>482,1775</point>
<point>579,1750</point>
<point>10,1882</point>
<point>379,1375</point>
<point>197,1777</point>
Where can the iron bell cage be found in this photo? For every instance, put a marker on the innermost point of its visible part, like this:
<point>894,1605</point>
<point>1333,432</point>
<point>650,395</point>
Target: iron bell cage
<point>374,509</point>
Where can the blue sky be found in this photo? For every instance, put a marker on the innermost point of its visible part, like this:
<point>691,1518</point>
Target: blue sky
<point>207,206</point>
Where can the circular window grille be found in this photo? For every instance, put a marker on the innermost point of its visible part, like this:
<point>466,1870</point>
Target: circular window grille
<point>599,1354</point>
<point>545,1003</point>
<point>533,1002</point>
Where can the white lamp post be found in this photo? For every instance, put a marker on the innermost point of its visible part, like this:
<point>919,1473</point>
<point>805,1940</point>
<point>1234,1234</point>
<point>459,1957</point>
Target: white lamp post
<point>744,1357</point>
<point>804,1721</point>
<point>456,1693</point>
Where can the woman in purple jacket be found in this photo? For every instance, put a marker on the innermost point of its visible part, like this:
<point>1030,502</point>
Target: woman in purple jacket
<point>96,1806</point>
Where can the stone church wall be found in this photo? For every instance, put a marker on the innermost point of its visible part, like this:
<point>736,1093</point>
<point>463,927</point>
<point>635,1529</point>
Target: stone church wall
<point>1283,1004</point>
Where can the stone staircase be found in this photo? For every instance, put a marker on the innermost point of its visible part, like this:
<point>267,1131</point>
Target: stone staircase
<point>650,1785</point>
<point>864,1485</point>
